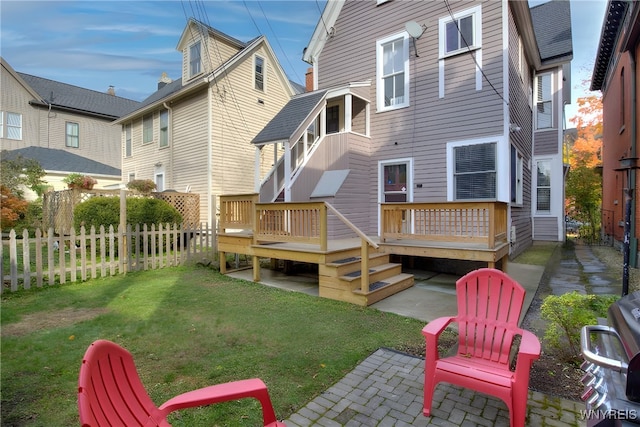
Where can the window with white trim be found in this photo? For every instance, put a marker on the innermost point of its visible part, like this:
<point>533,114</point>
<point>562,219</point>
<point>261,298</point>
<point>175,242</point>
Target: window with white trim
<point>14,126</point>
<point>543,186</point>
<point>147,128</point>
<point>258,73</point>
<point>195,59</point>
<point>544,104</point>
<point>127,140</point>
<point>132,176</point>
<point>516,176</point>
<point>72,136</point>
<point>164,128</point>
<point>460,33</point>
<point>392,76</point>
<point>1,124</point>
<point>474,175</point>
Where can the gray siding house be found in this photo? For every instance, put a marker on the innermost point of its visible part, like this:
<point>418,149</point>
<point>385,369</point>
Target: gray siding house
<point>415,101</point>
<point>64,127</point>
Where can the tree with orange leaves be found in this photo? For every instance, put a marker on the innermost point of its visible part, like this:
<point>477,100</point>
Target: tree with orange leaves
<point>584,182</point>
<point>12,208</point>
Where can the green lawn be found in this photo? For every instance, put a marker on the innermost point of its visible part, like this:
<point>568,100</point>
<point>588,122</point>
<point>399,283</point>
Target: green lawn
<point>187,328</point>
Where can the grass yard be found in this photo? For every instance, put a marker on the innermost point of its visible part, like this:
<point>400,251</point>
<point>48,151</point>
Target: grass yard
<point>187,327</point>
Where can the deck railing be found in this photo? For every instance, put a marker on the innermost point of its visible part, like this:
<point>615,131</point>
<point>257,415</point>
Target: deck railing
<point>464,222</point>
<point>237,212</point>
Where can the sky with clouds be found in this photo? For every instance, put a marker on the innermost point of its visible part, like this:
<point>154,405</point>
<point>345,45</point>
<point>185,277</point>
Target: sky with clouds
<point>129,44</point>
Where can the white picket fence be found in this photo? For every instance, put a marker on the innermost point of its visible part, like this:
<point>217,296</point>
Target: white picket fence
<point>56,259</point>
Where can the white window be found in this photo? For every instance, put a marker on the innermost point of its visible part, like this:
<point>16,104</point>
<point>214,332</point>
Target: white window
<point>127,140</point>
<point>164,128</point>
<point>461,32</point>
<point>259,73</point>
<point>543,186</point>
<point>72,138</point>
<point>160,182</point>
<point>544,104</point>
<point>195,59</point>
<point>132,176</point>
<point>14,126</point>
<point>516,176</point>
<point>474,174</point>
<point>147,128</point>
<point>392,74</point>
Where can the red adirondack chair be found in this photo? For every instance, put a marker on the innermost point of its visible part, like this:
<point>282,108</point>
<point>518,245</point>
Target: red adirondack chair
<point>110,392</point>
<point>489,306</point>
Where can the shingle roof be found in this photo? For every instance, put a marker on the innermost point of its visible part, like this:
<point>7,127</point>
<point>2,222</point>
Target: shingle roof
<point>282,126</point>
<point>79,99</point>
<point>552,28</point>
<point>608,36</point>
<point>59,160</point>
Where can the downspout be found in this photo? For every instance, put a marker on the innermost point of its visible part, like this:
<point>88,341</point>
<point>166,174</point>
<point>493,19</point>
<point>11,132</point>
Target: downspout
<point>170,136</point>
<point>210,214</point>
<point>633,258</point>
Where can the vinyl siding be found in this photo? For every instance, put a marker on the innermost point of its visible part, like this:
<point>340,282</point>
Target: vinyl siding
<point>421,130</point>
<point>545,228</point>
<point>546,142</point>
<point>520,113</point>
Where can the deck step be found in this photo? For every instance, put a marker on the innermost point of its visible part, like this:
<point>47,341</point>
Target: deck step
<point>376,273</point>
<point>384,288</point>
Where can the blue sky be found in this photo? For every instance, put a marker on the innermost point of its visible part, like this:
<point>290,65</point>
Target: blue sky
<point>128,44</point>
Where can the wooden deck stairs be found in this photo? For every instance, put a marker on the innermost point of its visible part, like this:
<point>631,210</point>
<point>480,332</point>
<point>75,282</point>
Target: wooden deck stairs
<point>342,279</point>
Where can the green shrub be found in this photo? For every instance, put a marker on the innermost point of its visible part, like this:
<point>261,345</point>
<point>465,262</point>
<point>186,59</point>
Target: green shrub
<point>567,314</point>
<point>105,211</point>
<point>31,219</point>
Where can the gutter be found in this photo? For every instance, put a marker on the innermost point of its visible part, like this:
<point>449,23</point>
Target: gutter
<point>73,110</point>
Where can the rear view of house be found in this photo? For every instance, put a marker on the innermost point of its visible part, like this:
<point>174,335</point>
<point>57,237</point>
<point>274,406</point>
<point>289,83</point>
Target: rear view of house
<point>432,131</point>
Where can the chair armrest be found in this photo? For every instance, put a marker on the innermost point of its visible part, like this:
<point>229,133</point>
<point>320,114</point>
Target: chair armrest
<point>437,326</point>
<point>529,345</point>
<point>432,331</point>
<point>528,352</point>
<point>234,390</point>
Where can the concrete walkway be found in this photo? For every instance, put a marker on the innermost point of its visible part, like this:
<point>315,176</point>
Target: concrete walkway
<point>386,389</point>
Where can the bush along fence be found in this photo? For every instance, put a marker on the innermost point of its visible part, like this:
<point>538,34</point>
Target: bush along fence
<point>57,259</point>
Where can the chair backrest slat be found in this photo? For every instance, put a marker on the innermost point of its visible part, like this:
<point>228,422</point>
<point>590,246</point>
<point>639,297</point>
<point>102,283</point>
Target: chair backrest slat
<point>109,384</point>
<point>489,307</point>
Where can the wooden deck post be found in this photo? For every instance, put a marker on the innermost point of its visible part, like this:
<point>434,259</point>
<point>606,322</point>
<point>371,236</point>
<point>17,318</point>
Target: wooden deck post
<point>364,265</point>
<point>223,262</point>
<point>323,228</point>
<point>256,269</point>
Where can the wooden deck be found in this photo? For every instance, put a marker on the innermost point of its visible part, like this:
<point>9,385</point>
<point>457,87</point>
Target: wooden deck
<point>358,269</point>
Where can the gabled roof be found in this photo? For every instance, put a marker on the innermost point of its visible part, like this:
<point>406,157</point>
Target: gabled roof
<point>79,100</point>
<point>608,39</point>
<point>203,29</point>
<point>176,87</point>
<point>51,159</point>
<point>285,123</point>
<point>552,27</point>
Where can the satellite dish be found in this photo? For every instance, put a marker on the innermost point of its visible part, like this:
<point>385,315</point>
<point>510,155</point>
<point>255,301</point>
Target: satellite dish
<point>414,29</point>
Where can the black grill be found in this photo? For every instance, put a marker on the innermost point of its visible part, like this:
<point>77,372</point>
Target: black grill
<point>611,354</point>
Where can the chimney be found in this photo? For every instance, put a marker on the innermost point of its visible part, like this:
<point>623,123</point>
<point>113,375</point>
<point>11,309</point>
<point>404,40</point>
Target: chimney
<point>164,80</point>
<point>308,77</point>
<point>111,90</point>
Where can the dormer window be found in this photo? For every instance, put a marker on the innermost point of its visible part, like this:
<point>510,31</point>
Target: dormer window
<point>195,59</point>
